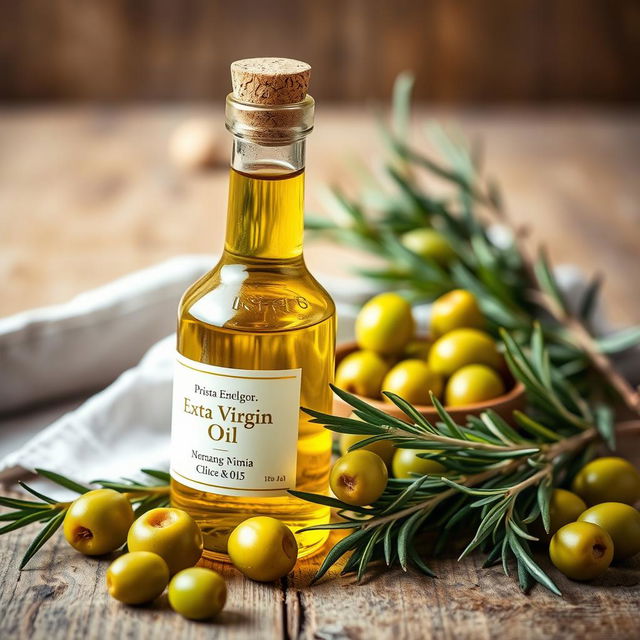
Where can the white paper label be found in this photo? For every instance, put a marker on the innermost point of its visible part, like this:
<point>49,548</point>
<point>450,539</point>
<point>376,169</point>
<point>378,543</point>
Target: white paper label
<point>234,432</point>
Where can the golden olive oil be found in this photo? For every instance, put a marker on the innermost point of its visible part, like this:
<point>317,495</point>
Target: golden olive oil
<point>259,309</point>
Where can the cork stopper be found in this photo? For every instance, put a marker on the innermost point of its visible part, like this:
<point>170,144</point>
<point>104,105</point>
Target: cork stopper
<point>270,81</point>
<point>269,103</point>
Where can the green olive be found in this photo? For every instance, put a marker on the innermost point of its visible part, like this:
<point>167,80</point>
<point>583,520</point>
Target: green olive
<point>197,593</point>
<point>382,448</point>
<point>581,550</point>
<point>263,548</point>
<point>412,380</point>
<point>564,507</point>
<point>417,349</point>
<point>607,479</point>
<point>385,324</point>
<point>407,464</point>
<point>473,383</point>
<point>621,521</point>
<point>429,244</point>
<point>362,372</point>
<point>97,522</point>
<point>455,310</point>
<point>359,477</point>
<point>137,577</point>
<point>461,347</point>
<point>171,533</point>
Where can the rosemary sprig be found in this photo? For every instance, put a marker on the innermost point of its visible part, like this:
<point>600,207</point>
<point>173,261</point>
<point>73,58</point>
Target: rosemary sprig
<point>514,290</point>
<point>498,480</point>
<point>46,509</point>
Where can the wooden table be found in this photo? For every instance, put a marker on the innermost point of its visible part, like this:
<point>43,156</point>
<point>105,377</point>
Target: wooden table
<point>89,194</point>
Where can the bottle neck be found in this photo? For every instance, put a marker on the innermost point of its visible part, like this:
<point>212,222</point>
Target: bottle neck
<point>265,217</point>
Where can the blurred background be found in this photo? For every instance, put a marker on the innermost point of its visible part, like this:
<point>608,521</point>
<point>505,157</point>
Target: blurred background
<point>92,93</point>
<point>462,51</point>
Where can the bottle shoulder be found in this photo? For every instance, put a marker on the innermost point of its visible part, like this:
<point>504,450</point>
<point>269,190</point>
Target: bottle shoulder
<point>257,296</point>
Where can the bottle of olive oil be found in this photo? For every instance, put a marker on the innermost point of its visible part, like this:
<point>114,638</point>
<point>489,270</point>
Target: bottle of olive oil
<point>256,335</point>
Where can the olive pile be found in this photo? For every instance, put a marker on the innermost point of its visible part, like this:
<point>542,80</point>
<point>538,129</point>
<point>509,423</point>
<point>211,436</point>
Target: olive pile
<point>164,544</point>
<point>596,521</point>
<point>459,363</point>
<point>591,525</point>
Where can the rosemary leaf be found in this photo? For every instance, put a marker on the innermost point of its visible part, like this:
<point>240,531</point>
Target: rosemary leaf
<point>46,532</point>
<point>536,572</point>
<point>35,493</point>
<point>24,521</point>
<point>63,481</point>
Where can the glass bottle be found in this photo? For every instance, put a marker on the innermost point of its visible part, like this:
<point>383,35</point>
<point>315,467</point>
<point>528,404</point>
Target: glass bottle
<point>256,339</point>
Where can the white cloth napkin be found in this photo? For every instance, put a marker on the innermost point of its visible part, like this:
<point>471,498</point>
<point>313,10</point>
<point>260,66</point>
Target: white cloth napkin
<point>60,350</point>
<point>85,344</point>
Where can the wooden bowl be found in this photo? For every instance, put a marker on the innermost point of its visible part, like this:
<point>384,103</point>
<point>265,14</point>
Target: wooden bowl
<point>503,405</point>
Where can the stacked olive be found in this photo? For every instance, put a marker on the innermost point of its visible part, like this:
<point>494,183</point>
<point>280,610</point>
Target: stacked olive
<point>596,521</point>
<point>459,362</point>
<point>164,545</point>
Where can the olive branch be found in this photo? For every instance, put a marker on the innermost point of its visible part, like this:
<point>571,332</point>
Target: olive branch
<point>498,479</point>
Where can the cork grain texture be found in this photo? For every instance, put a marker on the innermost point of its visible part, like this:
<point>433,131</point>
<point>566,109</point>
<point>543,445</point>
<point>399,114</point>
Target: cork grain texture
<point>270,81</point>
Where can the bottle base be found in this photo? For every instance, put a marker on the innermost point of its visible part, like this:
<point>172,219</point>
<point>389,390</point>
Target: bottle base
<point>217,516</point>
<point>306,551</point>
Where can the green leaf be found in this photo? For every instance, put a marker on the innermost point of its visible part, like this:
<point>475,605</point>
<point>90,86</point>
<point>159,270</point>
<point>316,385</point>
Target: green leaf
<point>337,551</point>
<point>433,166</point>
<point>619,341</point>
<point>605,424</point>
<point>493,517</point>
<point>401,104</point>
<point>158,474</point>
<point>117,486</point>
<point>590,299</point>
<point>152,502</point>
<point>544,491</point>
<point>35,493</point>
<point>387,543</point>
<point>500,428</point>
<point>520,532</point>
<point>23,522</point>
<point>352,561</point>
<point>47,531</point>
<point>535,428</point>
<point>318,223</point>
<point>14,503</point>
<point>63,481</point>
<point>406,533</point>
<point>525,580</point>
<point>540,356</point>
<point>367,409</point>
<point>547,280</point>
<point>410,411</point>
<point>493,557</point>
<point>330,526</point>
<point>367,553</point>
<point>454,430</point>
<point>351,209</point>
<point>415,559</point>
<point>327,501</point>
<point>536,572</point>
<point>472,491</point>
